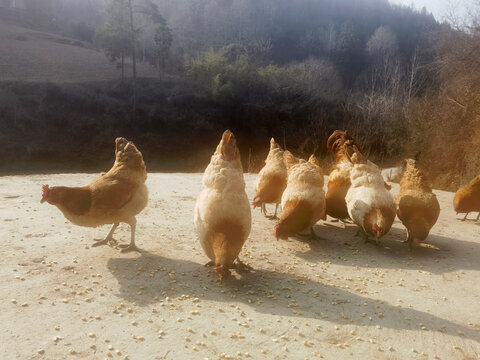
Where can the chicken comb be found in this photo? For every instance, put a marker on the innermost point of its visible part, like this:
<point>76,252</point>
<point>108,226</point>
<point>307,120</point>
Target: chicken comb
<point>337,138</point>
<point>45,190</point>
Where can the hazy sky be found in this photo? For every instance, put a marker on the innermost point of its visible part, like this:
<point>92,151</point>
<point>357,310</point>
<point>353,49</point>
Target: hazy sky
<point>439,8</point>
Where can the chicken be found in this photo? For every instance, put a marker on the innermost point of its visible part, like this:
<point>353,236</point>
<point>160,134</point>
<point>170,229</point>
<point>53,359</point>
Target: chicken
<point>370,205</point>
<point>339,178</point>
<point>271,180</point>
<point>222,214</point>
<point>417,206</point>
<point>114,197</point>
<point>303,201</point>
<point>467,198</point>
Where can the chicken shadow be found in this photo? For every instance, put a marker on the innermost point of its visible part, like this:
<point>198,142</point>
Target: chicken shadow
<point>439,256</point>
<point>267,292</point>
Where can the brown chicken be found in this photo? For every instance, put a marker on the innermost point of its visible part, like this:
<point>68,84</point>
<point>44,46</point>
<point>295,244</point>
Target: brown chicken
<point>417,206</point>
<point>467,198</point>
<point>339,178</point>
<point>114,197</point>
<point>303,201</point>
<point>271,180</point>
<point>222,214</point>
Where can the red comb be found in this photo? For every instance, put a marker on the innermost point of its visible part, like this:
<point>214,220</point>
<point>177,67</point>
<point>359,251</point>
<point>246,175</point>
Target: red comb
<point>45,189</point>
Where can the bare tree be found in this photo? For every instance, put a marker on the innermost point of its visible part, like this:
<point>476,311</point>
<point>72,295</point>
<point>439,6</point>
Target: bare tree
<point>134,58</point>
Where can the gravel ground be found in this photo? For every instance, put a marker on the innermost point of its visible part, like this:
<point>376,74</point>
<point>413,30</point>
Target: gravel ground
<point>336,298</point>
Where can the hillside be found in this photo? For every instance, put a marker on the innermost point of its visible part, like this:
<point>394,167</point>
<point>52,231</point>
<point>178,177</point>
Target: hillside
<point>335,298</point>
<point>31,55</point>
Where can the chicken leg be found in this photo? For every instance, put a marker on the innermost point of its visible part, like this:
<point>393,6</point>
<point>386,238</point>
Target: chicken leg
<point>313,235</point>
<point>274,216</point>
<point>364,235</point>
<point>108,239</point>
<point>241,266</point>
<point>131,247</point>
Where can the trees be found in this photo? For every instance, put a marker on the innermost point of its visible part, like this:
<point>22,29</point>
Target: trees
<point>116,44</point>
<point>348,54</point>
<point>114,36</point>
<point>162,39</point>
<point>382,44</point>
<point>134,54</point>
<point>445,123</point>
<point>119,37</point>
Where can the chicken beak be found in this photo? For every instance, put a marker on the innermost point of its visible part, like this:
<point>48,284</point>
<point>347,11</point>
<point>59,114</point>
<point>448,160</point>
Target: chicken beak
<point>43,200</point>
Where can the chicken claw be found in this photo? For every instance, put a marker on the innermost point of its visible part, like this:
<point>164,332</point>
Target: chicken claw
<point>241,266</point>
<point>364,235</point>
<point>108,239</point>
<point>274,216</point>
<point>313,235</point>
<point>131,247</point>
<point>128,248</point>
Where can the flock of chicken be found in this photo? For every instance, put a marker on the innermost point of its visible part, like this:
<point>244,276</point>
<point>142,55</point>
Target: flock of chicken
<point>356,191</point>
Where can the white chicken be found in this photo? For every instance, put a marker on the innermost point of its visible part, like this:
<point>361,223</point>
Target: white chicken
<point>370,205</point>
<point>222,213</point>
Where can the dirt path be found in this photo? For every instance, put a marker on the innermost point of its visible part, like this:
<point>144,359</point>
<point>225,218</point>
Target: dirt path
<point>337,298</point>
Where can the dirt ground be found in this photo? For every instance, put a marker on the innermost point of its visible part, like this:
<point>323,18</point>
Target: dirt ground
<point>337,298</point>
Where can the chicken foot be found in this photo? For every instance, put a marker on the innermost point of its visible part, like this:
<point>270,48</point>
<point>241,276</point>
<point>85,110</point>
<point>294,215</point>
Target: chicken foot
<point>409,240</point>
<point>274,216</point>
<point>109,240</point>
<point>364,235</point>
<point>240,266</point>
<point>131,247</point>
<point>313,235</point>
<point>263,208</point>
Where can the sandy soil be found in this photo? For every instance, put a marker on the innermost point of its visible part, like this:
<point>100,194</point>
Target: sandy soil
<point>337,298</point>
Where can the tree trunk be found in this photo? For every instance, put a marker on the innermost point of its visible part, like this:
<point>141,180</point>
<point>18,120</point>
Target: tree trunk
<point>159,69</point>
<point>134,59</point>
<point>123,66</point>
